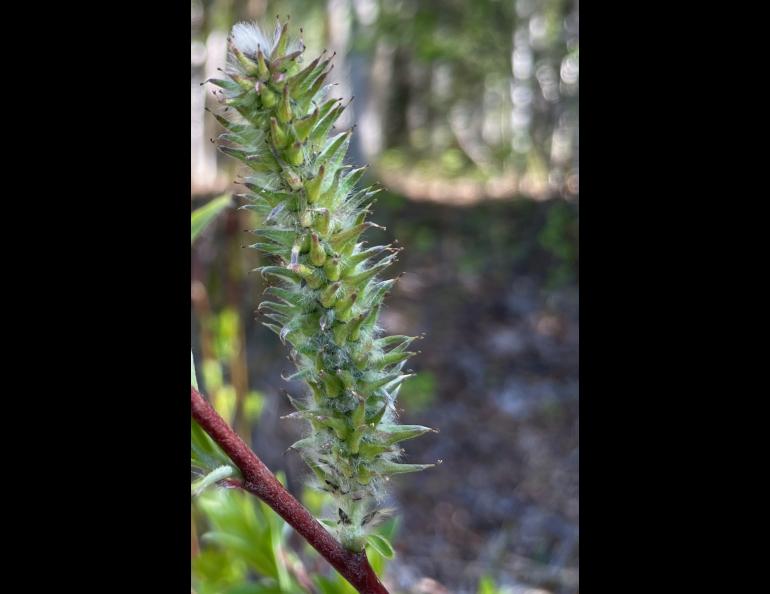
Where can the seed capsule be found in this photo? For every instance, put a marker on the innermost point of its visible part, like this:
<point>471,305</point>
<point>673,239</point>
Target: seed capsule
<point>297,80</point>
<point>313,186</point>
<point>393,357</point>
<point>305,125</point>
<point>349,236</point>
<point>307,274</point>
<point>385,467</point>
<point>328,296</point>
<point>262,69</point>
<point>337,425</point>
<point>294,154</point>
<point>377,417</point>
<point>284,107</point>
<point>332,385</point>
<point>317,252</point>
<point>248,64</point>
<point>305,244</point>
<point>340,334</point>
<point>344,306</point>
<point>355,326</point>
<point>306,218</point>
<point>243,82</point>
<point>359,414</point>
<point>396,433</point>
<point>283,41</point>
<point>354,440</point>
<point>363,476</point>
<point>321,221</point>
<point>268,97</point>
<point>328,199</point>
<point>294,181</point>
<point>369,451</point>
<point>319,83</point>
<point>281,139</point>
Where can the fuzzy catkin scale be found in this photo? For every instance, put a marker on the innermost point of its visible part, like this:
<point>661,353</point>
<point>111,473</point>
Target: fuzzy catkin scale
<point>328,289</point>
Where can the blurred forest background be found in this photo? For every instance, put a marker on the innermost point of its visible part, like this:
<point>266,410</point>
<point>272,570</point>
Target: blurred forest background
<point>467,112</point>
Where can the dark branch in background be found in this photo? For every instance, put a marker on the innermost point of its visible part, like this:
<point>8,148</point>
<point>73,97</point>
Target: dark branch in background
<point>259,481</point>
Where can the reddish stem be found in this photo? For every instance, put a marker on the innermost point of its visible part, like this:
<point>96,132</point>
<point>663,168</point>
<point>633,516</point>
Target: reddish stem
<point>259,481</point>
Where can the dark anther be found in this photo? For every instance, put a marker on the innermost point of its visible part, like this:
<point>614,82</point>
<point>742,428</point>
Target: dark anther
<point>343,516</point>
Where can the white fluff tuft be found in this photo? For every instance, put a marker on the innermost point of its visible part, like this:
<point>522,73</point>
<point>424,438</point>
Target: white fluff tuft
<point>248,37</point>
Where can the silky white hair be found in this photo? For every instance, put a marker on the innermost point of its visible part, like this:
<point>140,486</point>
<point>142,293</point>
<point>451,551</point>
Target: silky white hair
<point>248,37</point>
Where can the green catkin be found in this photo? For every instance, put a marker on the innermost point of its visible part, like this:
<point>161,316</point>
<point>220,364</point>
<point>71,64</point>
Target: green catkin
<point>327,287</point>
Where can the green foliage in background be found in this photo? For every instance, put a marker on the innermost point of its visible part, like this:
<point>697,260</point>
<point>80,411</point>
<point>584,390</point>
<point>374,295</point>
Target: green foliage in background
<point>487,586</point>
<point>418,395</point>
<point>202,216</point>
<point>475,90</point>
<point>244,548</point>
<point>559,237</point>
<point>206,458</point>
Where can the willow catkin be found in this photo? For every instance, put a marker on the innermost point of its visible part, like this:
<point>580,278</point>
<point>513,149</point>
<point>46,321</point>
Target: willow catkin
<point>328,287</point>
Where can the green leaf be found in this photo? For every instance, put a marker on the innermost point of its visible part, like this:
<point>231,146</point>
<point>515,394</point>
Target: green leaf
<point>381,545</point>
<point>244,548</point>
<point>388,531</point>
<point>224,401</point>
<point>204,453</point>
<point>202,216</point>
<point>215,569</point>
<point>250,588</point>
<point>335,585</point>
<point>486,586</point>
<point>277,532</point>
<point>193,377</point>
<point>253,405</point>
